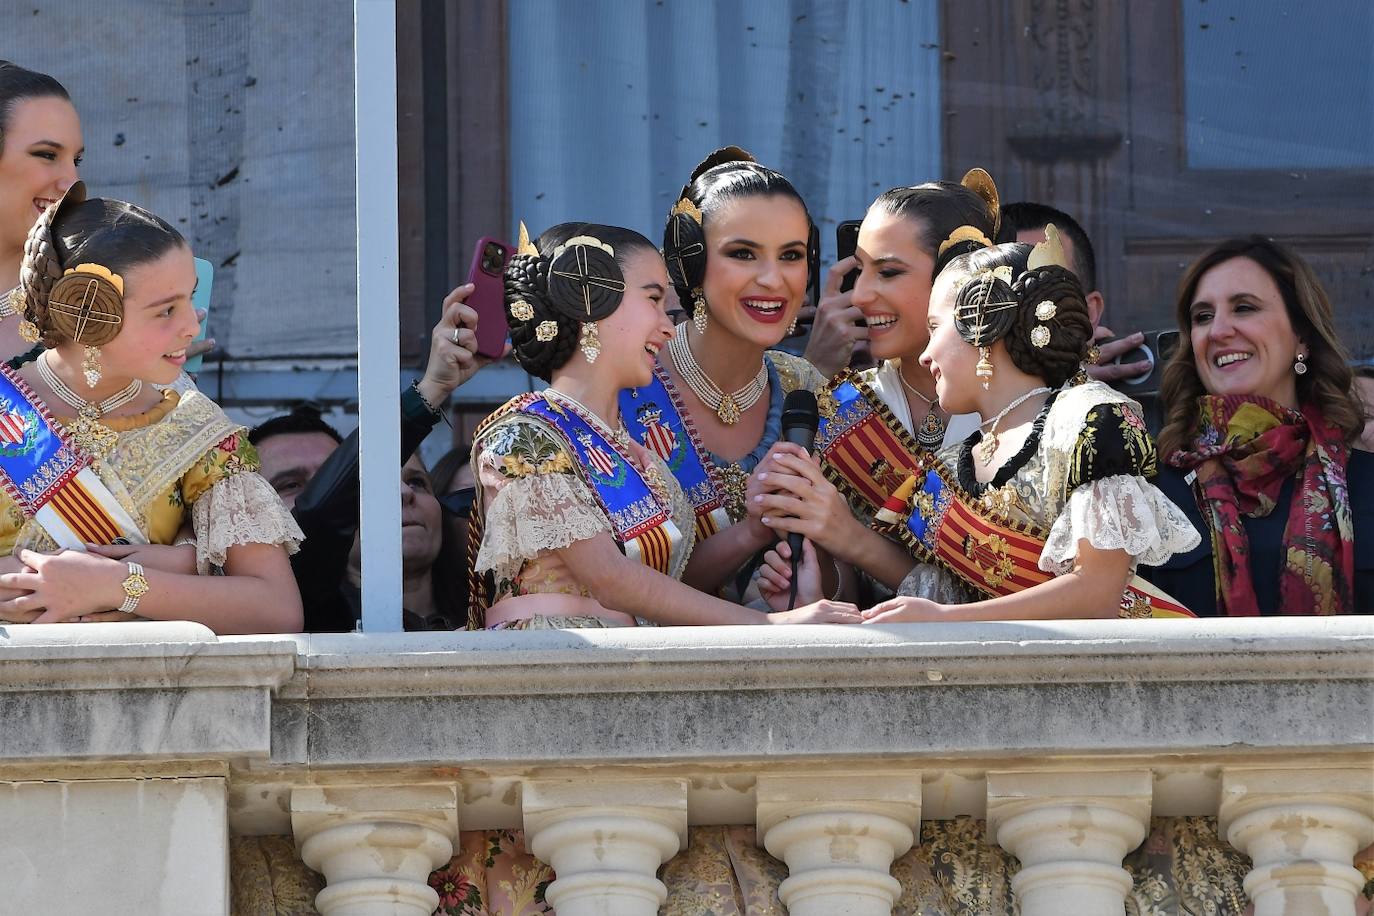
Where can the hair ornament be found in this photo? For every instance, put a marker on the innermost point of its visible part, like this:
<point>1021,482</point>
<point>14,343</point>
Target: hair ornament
<point>521,310</point>
<point>1049,252</point>
<point>985,307</point>
<point>585,282</point>
<point>87,305</point>
<point>964,234</point>
<point>686,207</point>
<point>1045,310</point>
<point>546,331</point>
<point>525,246</point>
<point>980,182</point>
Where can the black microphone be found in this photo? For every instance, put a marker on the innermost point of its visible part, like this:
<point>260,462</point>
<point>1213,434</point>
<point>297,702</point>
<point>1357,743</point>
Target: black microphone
<point>800,420</point>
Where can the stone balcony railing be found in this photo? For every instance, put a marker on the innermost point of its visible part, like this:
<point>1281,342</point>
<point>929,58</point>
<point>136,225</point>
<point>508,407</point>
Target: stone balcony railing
<point>131,752</point>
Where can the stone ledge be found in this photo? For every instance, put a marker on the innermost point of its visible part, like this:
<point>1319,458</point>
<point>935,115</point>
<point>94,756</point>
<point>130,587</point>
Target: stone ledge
<point>509,663</point>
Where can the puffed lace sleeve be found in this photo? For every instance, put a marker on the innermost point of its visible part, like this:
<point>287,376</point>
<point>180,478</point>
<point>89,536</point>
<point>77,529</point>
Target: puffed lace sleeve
<point>535,500</point>
<point>1111,503</point>
<point>231,504</point>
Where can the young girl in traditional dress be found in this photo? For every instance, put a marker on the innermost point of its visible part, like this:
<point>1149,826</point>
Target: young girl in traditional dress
<point>100,470</point>
<point>580,525</point>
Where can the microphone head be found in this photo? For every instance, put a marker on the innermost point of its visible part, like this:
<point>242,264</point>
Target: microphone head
<point>799,411</point>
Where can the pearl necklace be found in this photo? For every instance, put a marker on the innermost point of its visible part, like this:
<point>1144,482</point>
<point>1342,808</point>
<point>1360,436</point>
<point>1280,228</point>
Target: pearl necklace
<point>87,430</point>
<point>988,447</point>
<point>930,434</point>
<point>728,407</point>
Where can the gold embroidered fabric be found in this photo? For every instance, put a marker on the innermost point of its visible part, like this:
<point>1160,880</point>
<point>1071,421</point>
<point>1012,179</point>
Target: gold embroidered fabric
<point>537,502</point>
<point>164,461</point>
<point>795,372</point>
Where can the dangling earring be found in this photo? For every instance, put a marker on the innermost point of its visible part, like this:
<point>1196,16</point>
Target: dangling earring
<point>699,316</point>
<point>590,342</point>
<point>1300,367</point>
<point>792,328</point>
<point>984,367</point>
<point>90,367</point>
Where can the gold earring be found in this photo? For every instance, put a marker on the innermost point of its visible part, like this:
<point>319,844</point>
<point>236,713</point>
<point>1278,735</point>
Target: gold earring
<point>699,315</point>
<point>29,332</point>
<point>590,342</point>
<point>90,366</point>
<point>984,367</point>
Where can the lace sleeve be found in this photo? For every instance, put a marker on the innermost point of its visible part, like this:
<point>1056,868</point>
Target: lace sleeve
<point>240,509</point>
<point>1122,512</point>
<point>535,513</point>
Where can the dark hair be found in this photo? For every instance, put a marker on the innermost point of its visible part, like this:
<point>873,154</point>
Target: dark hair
<point>938,208</point>
<point>1070,328</point>
<point>727,174</point>
<point>302,419</point>
<point>527,281</point>
<point>18,84</point>
<point>1328,382</point>
<point>448,466</point>
<point>1024,216</point>
<point>112,233</point>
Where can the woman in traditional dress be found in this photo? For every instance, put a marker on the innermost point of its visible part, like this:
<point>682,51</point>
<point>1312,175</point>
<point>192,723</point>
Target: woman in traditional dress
<point>1257,443</point>
<point>741,249</point>
<point>100,470</point>
<point>579,524</point>
<point>878,425</point>
<point>1044,511</point>
<point>40,152</point>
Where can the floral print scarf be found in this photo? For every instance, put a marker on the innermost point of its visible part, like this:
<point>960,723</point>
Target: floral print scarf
<point>1245,449</point>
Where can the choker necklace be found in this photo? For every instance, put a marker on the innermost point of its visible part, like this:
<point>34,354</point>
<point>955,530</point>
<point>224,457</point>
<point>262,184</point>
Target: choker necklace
<point>728,407</point>
<point>988,447</point>
<point>930,435</point>
<point>87,431</point>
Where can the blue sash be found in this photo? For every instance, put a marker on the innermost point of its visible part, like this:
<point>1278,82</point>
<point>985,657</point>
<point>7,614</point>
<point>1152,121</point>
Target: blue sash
<point>654,418</point>
<point>642,524</point>
<point>50,479</point>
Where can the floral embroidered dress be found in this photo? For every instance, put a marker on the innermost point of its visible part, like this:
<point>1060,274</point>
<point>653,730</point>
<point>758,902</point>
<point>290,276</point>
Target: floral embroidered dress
<point>1083,475</point>
<point>549,474</point>
<point>182,458</point>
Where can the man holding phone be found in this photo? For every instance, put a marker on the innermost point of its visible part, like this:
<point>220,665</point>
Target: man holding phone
<point>1025,222</point>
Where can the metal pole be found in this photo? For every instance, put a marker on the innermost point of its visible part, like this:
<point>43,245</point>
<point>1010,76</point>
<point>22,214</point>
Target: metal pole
<point>379,410</point>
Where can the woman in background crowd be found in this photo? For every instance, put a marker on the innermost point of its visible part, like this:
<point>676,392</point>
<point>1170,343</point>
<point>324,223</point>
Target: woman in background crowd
<point>1257,442</point>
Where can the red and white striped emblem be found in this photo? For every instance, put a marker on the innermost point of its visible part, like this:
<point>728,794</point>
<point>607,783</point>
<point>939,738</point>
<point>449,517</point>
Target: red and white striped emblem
<point>12,428</point>
<point>660,439</point>
<point>603,463</point>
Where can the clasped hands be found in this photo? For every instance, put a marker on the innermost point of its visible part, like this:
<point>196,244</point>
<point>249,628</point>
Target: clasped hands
<point>71,586</point>
<point>789,494</point>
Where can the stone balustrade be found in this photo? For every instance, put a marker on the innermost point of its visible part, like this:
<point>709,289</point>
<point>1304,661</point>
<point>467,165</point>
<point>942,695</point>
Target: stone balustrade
<point>138,749</point>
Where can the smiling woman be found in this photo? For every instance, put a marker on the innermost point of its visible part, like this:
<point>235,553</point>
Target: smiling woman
<point>1262,414</point>
<point>40,152</point>
<point>118,497</point>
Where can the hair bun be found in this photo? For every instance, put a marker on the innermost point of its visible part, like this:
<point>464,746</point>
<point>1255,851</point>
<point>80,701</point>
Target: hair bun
<point>86,305</point>
<point>986,308</point>
<point>585,283</point>
<point>722,156</point>
<point>41,267</point>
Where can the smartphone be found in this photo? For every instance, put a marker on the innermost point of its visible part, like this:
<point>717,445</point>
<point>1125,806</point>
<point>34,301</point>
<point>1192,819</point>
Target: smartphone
<point>487,299</point>
<point>200,299</point>
<point>1158,348</point>
<point>846,243</point>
